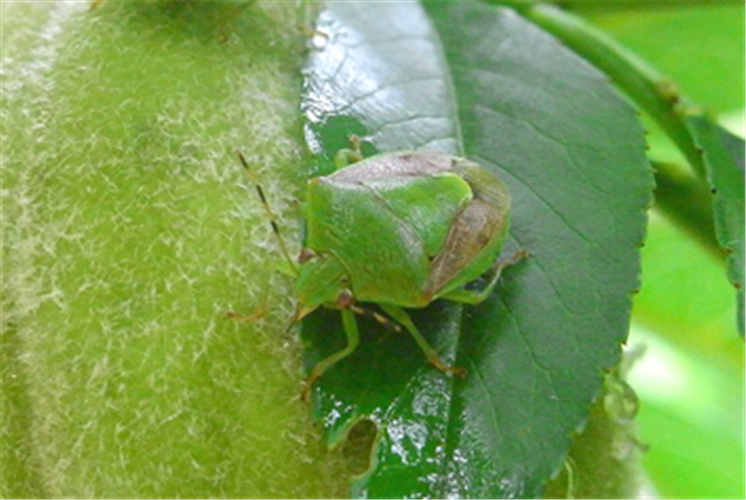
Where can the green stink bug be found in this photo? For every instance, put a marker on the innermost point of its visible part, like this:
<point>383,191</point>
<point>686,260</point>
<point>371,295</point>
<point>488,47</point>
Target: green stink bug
<point>398,230</point>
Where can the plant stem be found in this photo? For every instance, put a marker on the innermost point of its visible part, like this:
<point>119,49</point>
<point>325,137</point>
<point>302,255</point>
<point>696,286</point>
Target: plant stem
<point>637,5</point>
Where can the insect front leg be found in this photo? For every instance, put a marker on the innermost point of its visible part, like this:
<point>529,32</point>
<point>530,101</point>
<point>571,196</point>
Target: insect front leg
<point>473,297</point>
<point>400,316</point>
<point>346,157</point>
<point>349,324</point>
<point>261,311</point>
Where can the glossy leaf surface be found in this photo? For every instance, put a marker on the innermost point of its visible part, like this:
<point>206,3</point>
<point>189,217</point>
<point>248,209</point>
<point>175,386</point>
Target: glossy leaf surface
<point>478,81</point>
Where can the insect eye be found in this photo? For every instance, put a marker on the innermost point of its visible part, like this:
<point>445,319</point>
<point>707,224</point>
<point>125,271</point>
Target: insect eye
<point>345,299</point>
<point>305,255</point>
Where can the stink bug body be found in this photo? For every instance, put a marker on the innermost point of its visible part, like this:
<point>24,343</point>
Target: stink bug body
<point>399,230</point>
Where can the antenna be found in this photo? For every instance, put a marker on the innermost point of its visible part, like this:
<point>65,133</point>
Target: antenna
<point>363,311</point>
<point>270,213</point>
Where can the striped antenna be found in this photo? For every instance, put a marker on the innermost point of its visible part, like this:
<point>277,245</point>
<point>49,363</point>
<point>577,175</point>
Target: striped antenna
<point>270,213</point>
<point>362,311</point>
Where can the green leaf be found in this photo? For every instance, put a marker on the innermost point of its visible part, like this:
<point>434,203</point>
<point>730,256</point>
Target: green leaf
<point>474,80</point>
<point>723,155</point>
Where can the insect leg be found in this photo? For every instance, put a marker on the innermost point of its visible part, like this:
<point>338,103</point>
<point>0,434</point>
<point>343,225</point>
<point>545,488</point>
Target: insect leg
<point>353,340</point>
<point>261,312</point>
<point>346,157</point>
<point>399,315</point>
<point>473,297</point>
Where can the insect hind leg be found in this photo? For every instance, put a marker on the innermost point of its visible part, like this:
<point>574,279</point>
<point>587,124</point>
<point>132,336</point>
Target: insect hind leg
<point>401,317</point>
<point>474,297</point>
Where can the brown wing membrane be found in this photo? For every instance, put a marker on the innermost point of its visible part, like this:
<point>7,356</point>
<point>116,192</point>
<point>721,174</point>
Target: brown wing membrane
<point>479,226</point>
<point>470,234</point>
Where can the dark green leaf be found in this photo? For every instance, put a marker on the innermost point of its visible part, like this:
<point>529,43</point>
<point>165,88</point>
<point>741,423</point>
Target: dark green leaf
<point>478,81</point>
<point>723,155</point>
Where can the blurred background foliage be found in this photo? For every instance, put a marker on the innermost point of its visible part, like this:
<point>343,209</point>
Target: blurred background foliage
<point>690,379</point>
